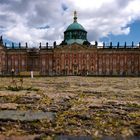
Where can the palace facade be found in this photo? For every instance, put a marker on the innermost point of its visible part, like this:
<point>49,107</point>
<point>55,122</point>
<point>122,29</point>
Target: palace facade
<point>74,56</point>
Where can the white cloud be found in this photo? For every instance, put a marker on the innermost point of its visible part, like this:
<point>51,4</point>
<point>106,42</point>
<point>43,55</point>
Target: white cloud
<point>20,19</point>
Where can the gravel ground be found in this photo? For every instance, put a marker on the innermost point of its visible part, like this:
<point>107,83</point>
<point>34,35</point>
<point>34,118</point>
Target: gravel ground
<point>87,107</point>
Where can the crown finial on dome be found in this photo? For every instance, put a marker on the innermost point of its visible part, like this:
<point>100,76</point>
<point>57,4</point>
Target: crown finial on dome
<point>75,16</point>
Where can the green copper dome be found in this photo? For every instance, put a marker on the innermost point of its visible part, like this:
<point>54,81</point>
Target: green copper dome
<point>75,26</point>
<point>75,33</point>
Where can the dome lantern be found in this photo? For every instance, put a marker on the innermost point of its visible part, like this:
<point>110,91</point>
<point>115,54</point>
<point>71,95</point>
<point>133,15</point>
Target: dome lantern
<point>75,16</point>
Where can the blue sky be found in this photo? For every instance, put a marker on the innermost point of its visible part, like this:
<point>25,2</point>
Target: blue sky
<point>134,35</point>
<point>36,21</point>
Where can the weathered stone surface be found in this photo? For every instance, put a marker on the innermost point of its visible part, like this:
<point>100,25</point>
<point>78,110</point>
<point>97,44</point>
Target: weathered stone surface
<point>8,106</point>
<point>25,115</point>
<point>53,108</point>
<point>84,106</point>
<point>27,100</point>
<point>28,137</point>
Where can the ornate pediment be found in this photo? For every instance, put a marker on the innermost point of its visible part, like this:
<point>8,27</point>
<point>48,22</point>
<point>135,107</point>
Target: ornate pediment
<point>76,46</point>
<point>72,47</point>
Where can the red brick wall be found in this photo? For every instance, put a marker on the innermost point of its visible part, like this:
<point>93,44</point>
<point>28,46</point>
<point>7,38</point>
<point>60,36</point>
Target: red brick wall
<point>74,61</point>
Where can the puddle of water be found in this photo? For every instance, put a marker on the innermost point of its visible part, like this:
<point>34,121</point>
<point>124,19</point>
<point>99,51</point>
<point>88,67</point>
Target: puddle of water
<point>26,115</point>
<point>91,138</point>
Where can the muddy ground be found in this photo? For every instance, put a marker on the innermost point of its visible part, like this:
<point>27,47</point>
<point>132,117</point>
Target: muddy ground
<point>50,107</point>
